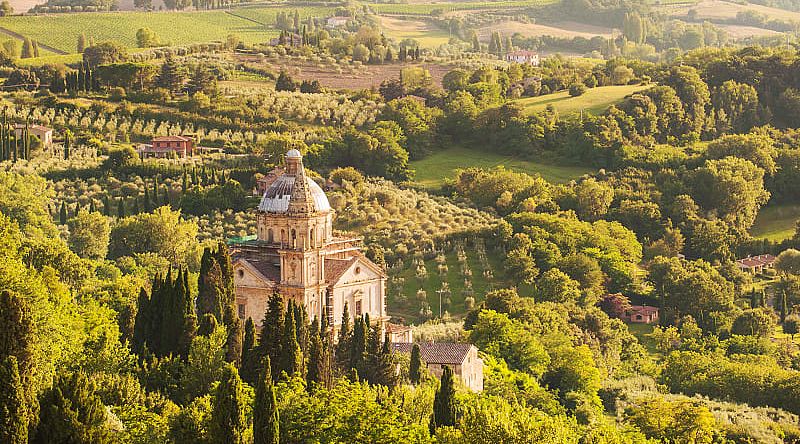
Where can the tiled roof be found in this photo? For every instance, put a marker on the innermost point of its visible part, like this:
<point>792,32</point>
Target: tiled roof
<point>643,309</point>
<point>522,53</point>
<point>756,261</point>
<point>452,353</point>
<point>171,139</point>
<point>396,328</point>
<point>266,268</point>
<point>335,268</point>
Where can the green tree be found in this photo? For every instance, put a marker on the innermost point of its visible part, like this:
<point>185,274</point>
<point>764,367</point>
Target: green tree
<point>497,335</point>
<point>13,408</point>
<point>162,232</point>
<point>104,53</point>
<point>791,325</point>
<point>229,415</point>
<point>71,411</point>
<point>249,368</point>
<point>266,421</point>
<point>415,368</point>
<point>173,75</point>
<point>89,234</point>
<point>788,262</point>
<point>81,43</point>
<point>285,82</point>
<point>5,8</point>
<point>444,403</point>
<point>269,344</point>
<point>291,356</point>
<point>27,48</point>
<point>146,38</point>
<point>673,421</point>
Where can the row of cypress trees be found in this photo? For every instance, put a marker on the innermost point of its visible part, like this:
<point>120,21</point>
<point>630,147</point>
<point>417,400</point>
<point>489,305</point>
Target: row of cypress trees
<point>13,147</point>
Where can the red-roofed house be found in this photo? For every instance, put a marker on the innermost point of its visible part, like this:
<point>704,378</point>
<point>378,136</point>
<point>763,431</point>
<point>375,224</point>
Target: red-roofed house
<point>756,264</point>
<point>168,146</point>
<point>460,357</point>
<point>642,314</point>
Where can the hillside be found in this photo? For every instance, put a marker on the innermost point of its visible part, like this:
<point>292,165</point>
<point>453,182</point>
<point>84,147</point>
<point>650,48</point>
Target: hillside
<point>594,101</point>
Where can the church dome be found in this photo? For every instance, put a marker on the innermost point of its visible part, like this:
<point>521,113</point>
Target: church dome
<point>281,193</point>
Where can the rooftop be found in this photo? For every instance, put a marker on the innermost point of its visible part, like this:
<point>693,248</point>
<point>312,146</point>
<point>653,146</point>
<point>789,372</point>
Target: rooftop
<point>451,353</point>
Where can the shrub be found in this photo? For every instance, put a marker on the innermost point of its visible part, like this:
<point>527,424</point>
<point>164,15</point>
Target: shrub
<point>577,89</point>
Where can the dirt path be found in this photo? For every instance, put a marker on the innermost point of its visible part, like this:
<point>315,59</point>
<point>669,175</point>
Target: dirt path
<point>19,36</point>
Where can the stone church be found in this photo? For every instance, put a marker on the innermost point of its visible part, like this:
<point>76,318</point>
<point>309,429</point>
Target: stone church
<point>297,254</point>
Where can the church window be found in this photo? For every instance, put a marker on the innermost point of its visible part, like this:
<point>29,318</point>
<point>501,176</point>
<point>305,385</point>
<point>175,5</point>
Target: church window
<point>241,311</point>
<point>269,235</point>
<point>358,308</point>
<point>241,273</point>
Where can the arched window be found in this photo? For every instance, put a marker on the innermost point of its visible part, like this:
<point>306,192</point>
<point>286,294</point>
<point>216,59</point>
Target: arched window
<point>294,238</point>
<point>269,235</point>
<point>311,237</point>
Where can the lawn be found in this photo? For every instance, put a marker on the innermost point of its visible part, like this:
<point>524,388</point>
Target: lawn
<point>432,170</point>
<point>61,31</point>
<point>776,222</point>
<point>595,100</point>
<point>428,35</point>
<point>641,331</point>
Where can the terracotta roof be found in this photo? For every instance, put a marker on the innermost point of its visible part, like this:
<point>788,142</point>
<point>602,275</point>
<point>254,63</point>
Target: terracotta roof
<point>33,127</point>
<point>453,353</point>
<point>171,139</point>
<point>523,53</point>
<point>266,268</point>
<point>756,261</point>
<point>396,328</point>
<point>335,268</point>
<point>643,309</point>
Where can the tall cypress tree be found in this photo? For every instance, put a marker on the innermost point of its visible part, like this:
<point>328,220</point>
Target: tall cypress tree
<point>291,357</point>
<point>415,368</point>
<point>16,332</point>
<point>315,356</point>
<point>265,409</point>
<point>269,344</point>
<point>228,419</point>
<point>249,368</point>
<point>62,214</point>
<point>345,338</point>
<point>13,409</point>
<point>233,345</point>
<point>444,404</point>
<point>358,346</point>
<point>121,208</point>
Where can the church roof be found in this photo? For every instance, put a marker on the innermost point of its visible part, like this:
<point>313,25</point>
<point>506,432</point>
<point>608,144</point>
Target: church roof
<point>287,195</point>
<point>267,269</point>
<point>335,268</point>
<point>451,353</point>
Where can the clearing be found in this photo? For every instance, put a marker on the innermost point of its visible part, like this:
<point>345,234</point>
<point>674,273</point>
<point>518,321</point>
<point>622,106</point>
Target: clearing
<point>722,10</point>
<point>428,35</point>
<point>740,31</point>
<point>343,76</point>
<point>560,29</point>
<point>776,222</point>
<point>434,169</point>
<point>594,100</point>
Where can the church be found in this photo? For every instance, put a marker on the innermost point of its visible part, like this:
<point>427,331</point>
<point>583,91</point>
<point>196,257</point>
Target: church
<point>297,254</point>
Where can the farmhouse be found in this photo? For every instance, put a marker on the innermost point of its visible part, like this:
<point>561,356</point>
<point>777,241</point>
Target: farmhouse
<point>462,358</point>
<point>167,146</point>
<point>298,255</point>
<point>44,133</point>
<point>523,56</point>
<point>642,314</point>
<point>756,264</point>
<point>335,22</point>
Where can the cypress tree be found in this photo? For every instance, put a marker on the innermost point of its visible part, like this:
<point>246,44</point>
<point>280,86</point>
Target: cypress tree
<point>148,208</point>
<point>106,206</point>
<point>62,214</point>
<point>301,327</point>
<point>233,345</point>
<point>185,182</point>
<point>16,333</point>
<point>121,208</point>
<point>291,357</point>
<point>315,356</point>
<point>156,199</point>
<point>269,344</point>
<point>72,412</point>
<point>415,368</point>
<point>13,409</point>
<point>228,419</point>
<point>249,368</point>
<point>345,338</point>
<point>92,206</point>
<point>444,404</point>
<point>784,306</point>
<point>208,323</point>
<point>358,346</point>
<point>265,409</point>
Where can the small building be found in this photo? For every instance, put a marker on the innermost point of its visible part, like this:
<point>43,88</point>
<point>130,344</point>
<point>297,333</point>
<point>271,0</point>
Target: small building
<point>167,147</point>
<point>44,133</point>
<point>399,333</point>
<point>756,264</point>
<point>523,56</point>
<point>335,22</point>
<point>462,358</point>
<point>642,314</point>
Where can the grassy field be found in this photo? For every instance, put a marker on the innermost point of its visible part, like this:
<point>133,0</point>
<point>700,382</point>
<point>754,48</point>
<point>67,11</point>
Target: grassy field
<point>776,222</point>
<point>427,35</point>
<point>427,8</point>
<point>595,100</point>
<point>61,31</point>
<point>432,170</point>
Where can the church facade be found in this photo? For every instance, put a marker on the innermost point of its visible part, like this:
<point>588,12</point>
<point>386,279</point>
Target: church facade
<point>298,255</point>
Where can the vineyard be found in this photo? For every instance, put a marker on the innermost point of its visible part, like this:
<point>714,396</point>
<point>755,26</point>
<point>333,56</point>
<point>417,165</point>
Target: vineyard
<point>427,9</point>
<point>61,31</point>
